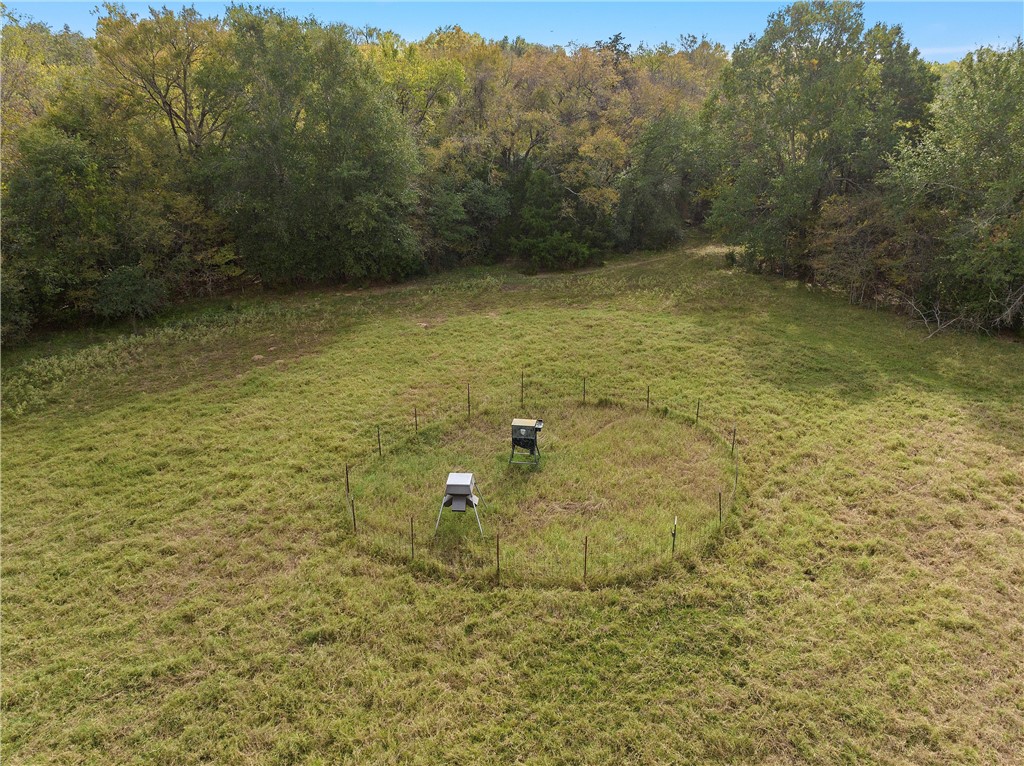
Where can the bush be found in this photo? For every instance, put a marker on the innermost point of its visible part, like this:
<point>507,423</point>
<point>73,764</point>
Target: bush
<point>129,291</point>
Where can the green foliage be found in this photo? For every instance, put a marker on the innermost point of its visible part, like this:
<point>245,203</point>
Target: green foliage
<point>811,109</point>
<point>128,291</point>
<point>544,239</point>
<point>318,175</point>
<point>60,221</point>
<point>92,189</point>
<point>659,191</point>
<point>970,168</point>
<point>942,233</point>
<point>173,63</point>
<point>459,220</point>
<point>208,154</point>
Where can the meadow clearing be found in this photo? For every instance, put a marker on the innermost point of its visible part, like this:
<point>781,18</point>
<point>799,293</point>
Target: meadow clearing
<point>181,584</point>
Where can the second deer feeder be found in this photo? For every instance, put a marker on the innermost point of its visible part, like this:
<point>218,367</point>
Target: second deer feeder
<point>524,437</point>
<point>460,493</point>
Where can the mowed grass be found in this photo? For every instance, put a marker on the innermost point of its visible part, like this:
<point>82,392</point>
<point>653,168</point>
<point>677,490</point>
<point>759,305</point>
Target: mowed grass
<point>180,583</point>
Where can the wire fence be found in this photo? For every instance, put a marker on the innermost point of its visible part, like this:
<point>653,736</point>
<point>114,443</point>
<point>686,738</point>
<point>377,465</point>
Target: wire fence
<point>594,556</point>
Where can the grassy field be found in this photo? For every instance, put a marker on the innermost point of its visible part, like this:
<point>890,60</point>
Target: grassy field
<point>180,583</point>
<point>612,483</point>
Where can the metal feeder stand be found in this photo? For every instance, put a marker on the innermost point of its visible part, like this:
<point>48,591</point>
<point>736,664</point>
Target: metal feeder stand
<point>524,436</point>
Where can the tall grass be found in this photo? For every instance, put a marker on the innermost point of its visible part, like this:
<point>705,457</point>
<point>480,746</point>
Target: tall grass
<point>180,583</point>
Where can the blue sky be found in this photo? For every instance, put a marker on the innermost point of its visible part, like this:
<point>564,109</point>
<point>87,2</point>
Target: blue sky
<point>941,30</point>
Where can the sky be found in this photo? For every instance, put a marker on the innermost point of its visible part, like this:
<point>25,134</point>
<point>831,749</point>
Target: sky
<point>943,31</point>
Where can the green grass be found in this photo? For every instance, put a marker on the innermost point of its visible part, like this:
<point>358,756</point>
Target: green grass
<point>180,582</point>
<point>613,479</point>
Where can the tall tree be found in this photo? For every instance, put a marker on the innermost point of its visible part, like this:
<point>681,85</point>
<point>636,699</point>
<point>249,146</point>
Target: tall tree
<point>318,174</point>
<point>965,182</point>
<point>811,109</point>
<point>173,61</point>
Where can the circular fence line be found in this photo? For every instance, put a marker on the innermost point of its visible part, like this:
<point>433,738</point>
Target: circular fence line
<point>535,539</point>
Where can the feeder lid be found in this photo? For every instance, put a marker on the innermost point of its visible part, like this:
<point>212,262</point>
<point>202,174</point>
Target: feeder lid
<point>460,484</point>
<point>528,422</point>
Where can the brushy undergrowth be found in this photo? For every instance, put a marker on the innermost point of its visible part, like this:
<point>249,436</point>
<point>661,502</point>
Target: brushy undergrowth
<point>180,583</point>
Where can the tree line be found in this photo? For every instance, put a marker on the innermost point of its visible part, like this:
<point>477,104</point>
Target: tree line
<point>176,155</point>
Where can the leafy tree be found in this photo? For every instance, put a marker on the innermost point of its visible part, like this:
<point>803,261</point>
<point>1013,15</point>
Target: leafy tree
<point>94,187</point>
<point>811,109</point>
<point>669,172</point>
<point>177,154</point>
<point>60,221</point>
<point>966,179</point>
<point>172,60</point>
<point>545,239</point>
<point>318,174</point>
<point>36,63</point>
<point>420,77</point>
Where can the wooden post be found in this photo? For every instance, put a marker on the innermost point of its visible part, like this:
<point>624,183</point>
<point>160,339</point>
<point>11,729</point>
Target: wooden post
<point>719,509</point>
<point>648,397</point>
<point>675,522</point>
<point>348,492</point>
<point>416,419</point>
<point>497,554</point>
<point>697,419</point>
<point>733,450</point>
<point>412,542</point>
<point>352,504</point>
<point>586,539</point>
<point>380,450</point>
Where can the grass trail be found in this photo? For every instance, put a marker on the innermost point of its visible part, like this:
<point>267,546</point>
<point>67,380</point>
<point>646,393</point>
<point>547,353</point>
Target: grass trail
<point>179,584</point>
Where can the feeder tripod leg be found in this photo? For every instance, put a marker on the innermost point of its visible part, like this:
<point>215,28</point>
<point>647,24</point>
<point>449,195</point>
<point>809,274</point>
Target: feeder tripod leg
<point>439,512</point>
<point>479,526</point>
<point>513,455</point>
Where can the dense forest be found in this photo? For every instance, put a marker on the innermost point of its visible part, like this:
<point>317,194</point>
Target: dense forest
<point>175,156</point>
